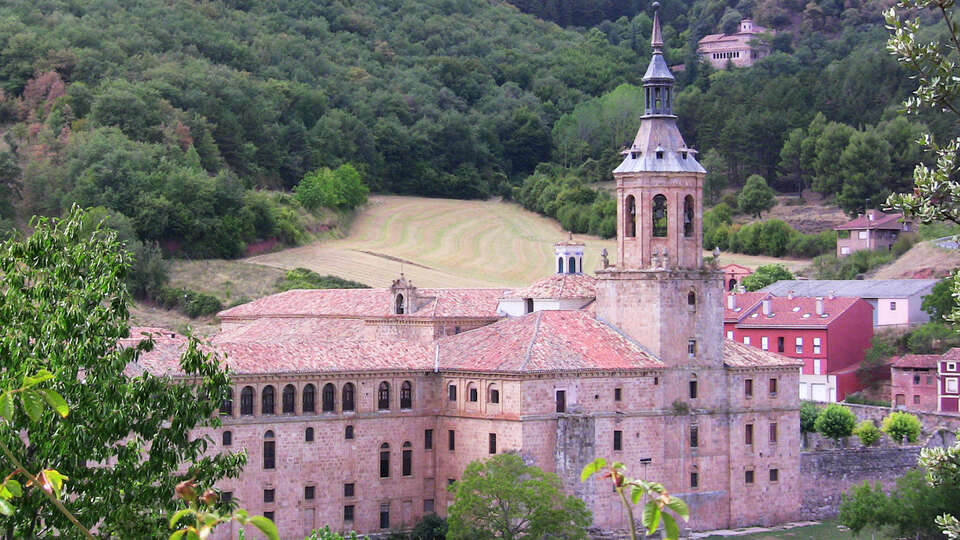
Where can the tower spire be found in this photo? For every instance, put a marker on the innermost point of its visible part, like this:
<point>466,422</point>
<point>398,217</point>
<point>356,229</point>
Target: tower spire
<point>656,38</point>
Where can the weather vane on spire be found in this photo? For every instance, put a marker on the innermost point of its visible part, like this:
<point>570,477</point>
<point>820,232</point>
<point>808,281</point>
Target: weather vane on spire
<point>656,38</point>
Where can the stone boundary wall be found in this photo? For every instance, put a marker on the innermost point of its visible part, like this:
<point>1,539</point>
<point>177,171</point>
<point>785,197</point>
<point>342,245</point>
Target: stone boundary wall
<point>827,474</point>
<point>931,421</point>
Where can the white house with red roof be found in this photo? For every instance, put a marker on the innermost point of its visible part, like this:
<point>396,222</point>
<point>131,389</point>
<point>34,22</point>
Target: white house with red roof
<point>358,408</point>
<point>872,230</point>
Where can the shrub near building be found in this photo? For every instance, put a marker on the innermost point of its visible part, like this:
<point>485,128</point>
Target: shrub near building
<point>902,426</point>
<point>835,422</point>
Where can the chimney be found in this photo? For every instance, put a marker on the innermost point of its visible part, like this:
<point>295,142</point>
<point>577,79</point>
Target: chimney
<point>819,305</point>
<point>766,306</point>
<point>790,295</point>
<point>832,294</point>
<point>732,301</point>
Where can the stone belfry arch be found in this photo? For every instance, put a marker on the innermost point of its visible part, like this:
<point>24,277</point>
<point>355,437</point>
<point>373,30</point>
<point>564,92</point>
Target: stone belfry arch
<point>660,236</point>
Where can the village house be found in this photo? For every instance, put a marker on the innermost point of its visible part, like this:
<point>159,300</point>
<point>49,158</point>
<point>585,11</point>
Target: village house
<point>896,302</point>
<point>733,275</point>
<point>828,334</point>
<point>357,408</point>
<point>948,371</point>
<point>914,384</point>
<point>872,230</point>
<point>741,49</point>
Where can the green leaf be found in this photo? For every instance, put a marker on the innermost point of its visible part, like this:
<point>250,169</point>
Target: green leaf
<point>178,516</point>
<point>670,527</point>
<point>32,404</point>
<point>6,406</point>
<point>6,508</point>
<point>13,487</point>
<point>56,401</point>
<point>592,468</point>
<point>636,493</point>
<point>33,380</point>
<point>177,535</point>
<point>52,480</point>
<point>192,535</point>
<point>679,507</point>
<point>266,527</point>
<point>651,516</point>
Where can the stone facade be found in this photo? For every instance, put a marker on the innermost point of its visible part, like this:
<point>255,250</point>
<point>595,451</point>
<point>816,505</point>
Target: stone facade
<point>740,49</point>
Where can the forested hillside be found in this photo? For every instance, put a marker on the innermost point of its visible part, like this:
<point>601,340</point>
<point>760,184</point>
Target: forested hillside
<point>173,112</point>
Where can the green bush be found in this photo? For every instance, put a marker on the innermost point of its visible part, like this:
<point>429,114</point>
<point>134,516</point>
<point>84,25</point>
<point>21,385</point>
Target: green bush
<point>430,527</point>
<point>903,244</point>
<point>932,338</point>
<point>303,278</point>
<point>867,432</point>
<point>809,413</point>
<point>341,188</point>
<point>835,422</point>
<point>849,267</point>
<point>902,426</point>
<point>766,275</point>
<point>191,303</point>
<point>860,399</point>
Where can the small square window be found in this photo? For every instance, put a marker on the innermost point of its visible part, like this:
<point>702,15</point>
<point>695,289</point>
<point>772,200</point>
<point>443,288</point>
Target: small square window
<point>746,340</point>
<point>349,489</point>
<point>348,512</point>
<point>271,516</point>
<point>774,475</point>
<point>348,432</point>
<point>916,399</point>
<point>748,477</point>
<point>451,481</point>
<point>617,394</point>
<point>916,379</point>
<point>309,492</point>
<point>226,497</point>
<point>729,334</point>
<point>269,495</point>
<point>799,344</point>
<point>694,480</point>
<point>951,366</point>
<point>428,506</point>
<point>617,440</point>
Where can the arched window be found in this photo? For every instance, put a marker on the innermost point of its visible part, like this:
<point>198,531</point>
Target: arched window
<point>399,306</point>
<point>267,400</point>
<point>406,395</point>
<point>289,397</point>
<point>407,462</point>
<point>346,400</point>
<point>559,265</point>
<point>348,432</point>
<point>659,215</point>
<point>571,266</point>
<point>493,394</point>
<point>226,406</point>
<point>227,439</point>
<point>383,396</point>
<point>688,216</point>
<point>692,300</point>
<point>246,401</point>
<point>269,451</point>
<point>630,217</point>
<point>309,398</point>
<point>308,436</point>
<point>328,397</point>
<point>733,284</point>
<point>384,460</point>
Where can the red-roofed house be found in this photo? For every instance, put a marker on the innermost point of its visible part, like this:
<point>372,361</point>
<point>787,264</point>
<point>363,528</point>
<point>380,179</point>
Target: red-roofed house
<point>873,230</point>
<point>913,382</point>
<point>733,275</point>
<point>829,334</point>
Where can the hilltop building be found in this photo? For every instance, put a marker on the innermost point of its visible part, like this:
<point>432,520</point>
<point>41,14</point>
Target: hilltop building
<point>873,230</point>
<point>741,49</point>
<point>829,335</point>
<point>359,407</point>
<point>733,275</point>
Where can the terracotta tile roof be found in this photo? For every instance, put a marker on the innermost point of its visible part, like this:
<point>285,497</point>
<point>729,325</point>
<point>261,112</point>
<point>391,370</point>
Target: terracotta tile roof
<point>368,303</point>
<point>271,329</point>
<point>558,286</point>
<point>799,311</point>
<point>545,341</point>
<point>740,355</point>
<point>744,304</point>
<point>880,220</point>
<point>922,361</point>
<point>953,355</point>
<point>735,268</point>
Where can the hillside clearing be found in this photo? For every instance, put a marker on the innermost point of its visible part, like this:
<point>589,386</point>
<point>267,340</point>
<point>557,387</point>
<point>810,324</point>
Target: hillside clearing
<point>924,260</point>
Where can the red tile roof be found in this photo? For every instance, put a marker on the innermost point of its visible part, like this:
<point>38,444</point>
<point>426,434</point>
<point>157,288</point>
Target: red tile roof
<point>798,311</point>
<point>880,220</point>
<point>740,355</point>
<point>744,303</point>
<point>468,303</point>
<point>544,341</point>
<point>282,329</point>
<point>558,286</point>
<point>922,361</point>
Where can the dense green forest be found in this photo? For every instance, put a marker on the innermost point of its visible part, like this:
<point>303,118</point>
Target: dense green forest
<point>175,113</point>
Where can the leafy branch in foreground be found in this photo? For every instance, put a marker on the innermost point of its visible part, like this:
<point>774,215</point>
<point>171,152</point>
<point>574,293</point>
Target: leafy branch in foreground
<point>206,516</point>
<point>632,492</point>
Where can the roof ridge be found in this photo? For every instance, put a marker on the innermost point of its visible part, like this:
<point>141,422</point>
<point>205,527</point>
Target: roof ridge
<point>533,340</point>
<point>627,337</point>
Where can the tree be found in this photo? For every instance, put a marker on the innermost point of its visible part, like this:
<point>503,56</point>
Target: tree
<point>339,188</point>
<point>902,426</point>
<point>127,441</point>
<point>756,196</point>
<point>866,171</point>
<point>941,302</point>
<point>430,527</point>
<point>809,413</point>
<point>943,471</point>
<point>502,497</point>
<point>766,275</point>
<point>865,508</point>
<point>829,145</point>
<point>867,432</point>
<point>835,422</point>
<point>875,366</point>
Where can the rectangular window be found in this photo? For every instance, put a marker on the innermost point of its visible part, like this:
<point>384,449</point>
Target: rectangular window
<point>773,386</point>
<point>748,388</point>
<point>385,516</point>
<point>617,440</point>
<point>226,497</point>
<point>951,385</point>
<point>748,435</point>
<point>816,345</point>
<point>765,343</point>
<point>451,481</point>
<point>492,443</point>
<point>272,516</point>
<point>916,399</point>
<point>452,392</point>
<point>428,506</point>
<point>406,462</point>
<point>473,395</point>
<point>916,379</point>
<point>561,401</point>
<point>348,512</point>
<point>269,495</point>
<point>893,306</point>
<point>746,340</point>
<point>816,366</point>
<point>428,439</point>
<point>269,454</point>
<point>799,345</point>
<point>385,463</point>
<point>694,480</point>
<point>694,436</point>
<point>780,344</point>
<point>616,394</point>
<point>748,477</point>
<point>951,366</point>
<point>862,235</point>
<point>773,433</point>
<point>730,334</point>
<point>494,396</point>
<point>309,492</point>
<point>451,440</point>
<point>349,489</point>
<point>774,475</point>
<point>693,389</point>
<point>691,348</point>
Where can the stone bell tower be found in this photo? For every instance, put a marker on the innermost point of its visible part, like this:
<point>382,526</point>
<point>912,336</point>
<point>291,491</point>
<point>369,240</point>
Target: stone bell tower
<point>660,293</point>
